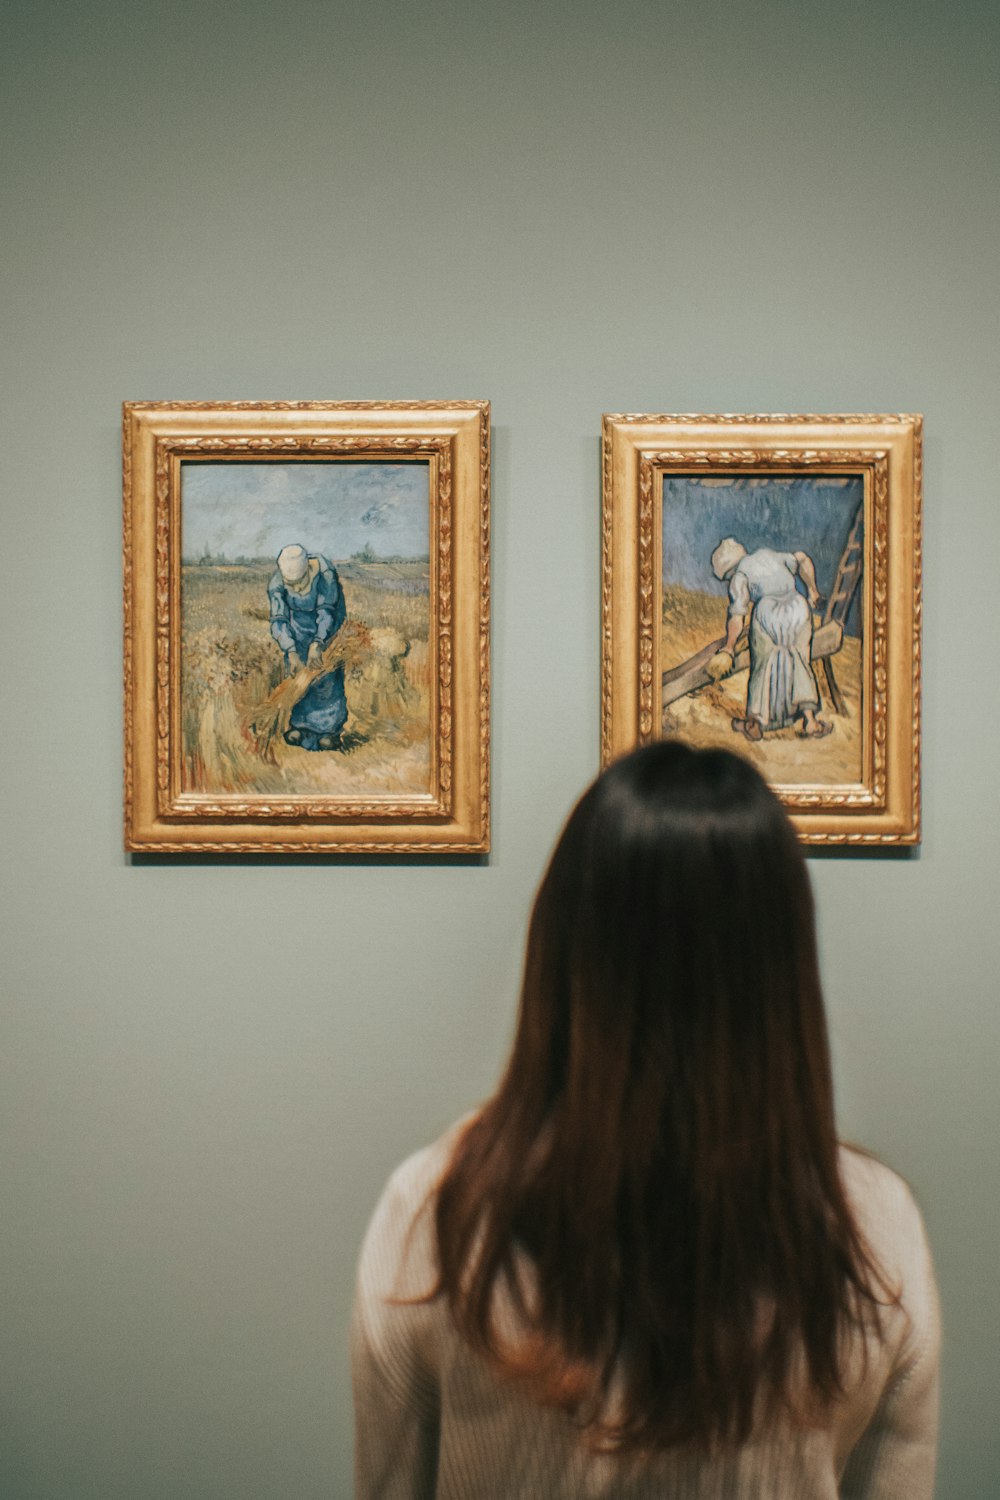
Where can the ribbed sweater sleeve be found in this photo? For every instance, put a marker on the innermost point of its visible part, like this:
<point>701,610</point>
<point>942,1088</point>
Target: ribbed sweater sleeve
<point>396,1401</point>
<point>895,1457</point>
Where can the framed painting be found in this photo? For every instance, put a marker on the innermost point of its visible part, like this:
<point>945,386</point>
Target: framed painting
<point>307,627</point>
<point>761,591</point>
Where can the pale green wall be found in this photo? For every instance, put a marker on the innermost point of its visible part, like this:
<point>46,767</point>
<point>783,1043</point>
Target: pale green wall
<point>209,1069</point>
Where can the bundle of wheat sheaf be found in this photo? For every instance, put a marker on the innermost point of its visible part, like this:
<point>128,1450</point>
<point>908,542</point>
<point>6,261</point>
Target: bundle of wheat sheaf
<point>372,659</point>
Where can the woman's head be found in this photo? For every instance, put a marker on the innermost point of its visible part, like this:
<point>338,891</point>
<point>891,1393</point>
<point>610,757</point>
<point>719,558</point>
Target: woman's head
<point>671,978</point>
<point>726,556</point>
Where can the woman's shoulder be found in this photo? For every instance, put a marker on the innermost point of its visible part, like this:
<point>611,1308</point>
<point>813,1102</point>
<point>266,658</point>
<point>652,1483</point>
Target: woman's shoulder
<point>418,1175</point>
<point>875,1189</point>
<point>398,1248</point>
<point>889,1217</point>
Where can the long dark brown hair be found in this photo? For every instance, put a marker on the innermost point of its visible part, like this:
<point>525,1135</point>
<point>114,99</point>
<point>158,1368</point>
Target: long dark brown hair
<point>661,1150</point>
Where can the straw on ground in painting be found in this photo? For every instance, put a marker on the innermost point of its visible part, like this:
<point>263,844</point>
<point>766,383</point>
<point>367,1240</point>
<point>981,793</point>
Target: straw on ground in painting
<point>690,621</point>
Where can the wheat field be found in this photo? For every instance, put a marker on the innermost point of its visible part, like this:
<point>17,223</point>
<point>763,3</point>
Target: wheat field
<point>235,700</point>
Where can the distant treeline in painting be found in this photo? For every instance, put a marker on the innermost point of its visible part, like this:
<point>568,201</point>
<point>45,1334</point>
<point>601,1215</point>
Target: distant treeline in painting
<point>236,698</point>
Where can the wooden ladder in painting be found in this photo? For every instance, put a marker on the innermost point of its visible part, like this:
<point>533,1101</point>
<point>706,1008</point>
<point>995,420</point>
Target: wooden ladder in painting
<point>841,596</point>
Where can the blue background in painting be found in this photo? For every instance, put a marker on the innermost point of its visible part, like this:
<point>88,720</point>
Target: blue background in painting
<point>812,514</point>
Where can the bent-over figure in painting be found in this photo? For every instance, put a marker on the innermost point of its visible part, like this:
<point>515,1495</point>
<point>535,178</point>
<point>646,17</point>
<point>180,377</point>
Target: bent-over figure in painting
<point>782,688</point>
<point>306,611</point>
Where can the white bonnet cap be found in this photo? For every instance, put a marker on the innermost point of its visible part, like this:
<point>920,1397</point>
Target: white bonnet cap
<point>293,563</point>
<point>726,555</point>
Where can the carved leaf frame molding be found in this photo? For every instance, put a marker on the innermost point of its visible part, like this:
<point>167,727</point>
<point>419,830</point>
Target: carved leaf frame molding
<point>453,437</point>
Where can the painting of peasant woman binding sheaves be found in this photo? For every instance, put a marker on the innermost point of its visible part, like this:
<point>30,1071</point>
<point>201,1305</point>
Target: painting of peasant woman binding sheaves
<point>762,628</point>
<point>305,624</point>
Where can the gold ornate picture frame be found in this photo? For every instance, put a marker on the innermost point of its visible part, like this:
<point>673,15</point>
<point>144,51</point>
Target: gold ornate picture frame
<point>307,627</point>
<point>761,590</point>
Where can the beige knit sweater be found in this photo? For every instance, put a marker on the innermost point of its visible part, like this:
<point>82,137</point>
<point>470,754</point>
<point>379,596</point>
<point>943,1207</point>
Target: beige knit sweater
<point>432,1421</point>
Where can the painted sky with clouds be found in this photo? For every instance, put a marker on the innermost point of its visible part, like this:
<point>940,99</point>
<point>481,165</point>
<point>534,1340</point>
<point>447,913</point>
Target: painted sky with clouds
<point>254,509</point>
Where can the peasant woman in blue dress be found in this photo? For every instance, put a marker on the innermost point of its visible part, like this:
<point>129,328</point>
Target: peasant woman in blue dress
<point>306,611</point>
